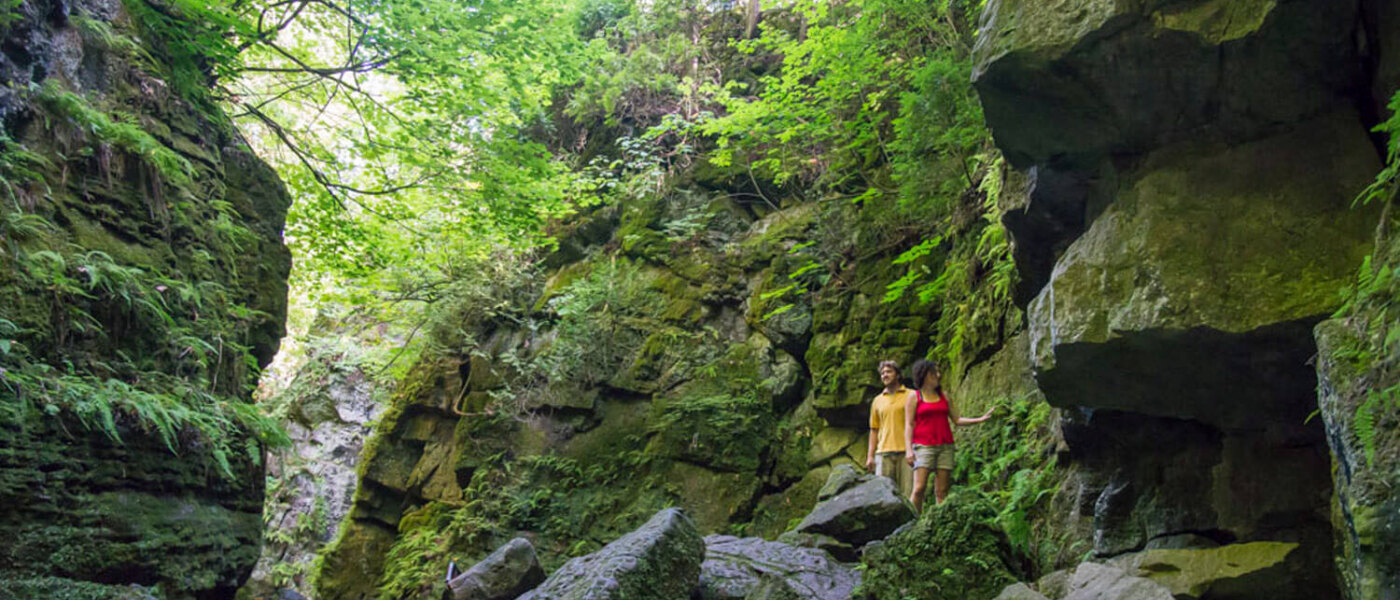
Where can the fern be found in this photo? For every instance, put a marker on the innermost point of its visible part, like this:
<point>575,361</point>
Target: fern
<point>119,130</point>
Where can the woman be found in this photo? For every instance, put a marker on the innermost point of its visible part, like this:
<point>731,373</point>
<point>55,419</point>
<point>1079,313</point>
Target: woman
<point>928,435</point>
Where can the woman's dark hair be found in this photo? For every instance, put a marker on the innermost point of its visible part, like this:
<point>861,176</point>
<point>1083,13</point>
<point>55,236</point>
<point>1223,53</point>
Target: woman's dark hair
<point>921,370</point>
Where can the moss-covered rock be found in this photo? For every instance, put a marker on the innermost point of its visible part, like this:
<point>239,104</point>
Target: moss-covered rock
<point>952,551</point>
<point>125,462</point>
<point>1361,422</point>
<point>88,509</point>
<point>1256,569</point>
<point>1144,296</point>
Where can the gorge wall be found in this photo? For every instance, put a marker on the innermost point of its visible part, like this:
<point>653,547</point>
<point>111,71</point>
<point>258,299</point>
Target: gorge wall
<point>1190,222</point>
<point>142,282</point>
<point>1181,222</point>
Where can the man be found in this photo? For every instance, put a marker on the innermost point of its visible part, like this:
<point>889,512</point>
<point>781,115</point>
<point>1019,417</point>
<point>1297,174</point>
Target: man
<point>886,451</point>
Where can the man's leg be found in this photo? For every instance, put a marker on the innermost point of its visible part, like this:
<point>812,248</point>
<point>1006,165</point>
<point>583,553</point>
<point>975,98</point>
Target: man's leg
<point>905,479</point>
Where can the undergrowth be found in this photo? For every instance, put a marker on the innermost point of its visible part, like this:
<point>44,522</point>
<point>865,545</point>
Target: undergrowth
<point>1371,305</point>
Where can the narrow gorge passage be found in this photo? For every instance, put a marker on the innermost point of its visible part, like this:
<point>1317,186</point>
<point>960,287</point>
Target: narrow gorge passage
<point>567,299</point>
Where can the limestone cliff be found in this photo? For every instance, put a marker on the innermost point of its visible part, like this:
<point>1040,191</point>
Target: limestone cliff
<point>1181,222</point>
<point>142,282</point>
<point>1190,221</point>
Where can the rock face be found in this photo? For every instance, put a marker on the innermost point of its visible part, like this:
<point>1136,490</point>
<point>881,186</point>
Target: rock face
<point>1143,297</point>
<point>1365,508</point>
<point>735,567</point>
<point>169,235</point>
<point>857,509</point>
<point>505,574</point>
<point>1075,80</point>
<point>1019,591</point>
<point>1188,215</point>
<point>697,400</point>
<point>659,560</point>
<point>332,408</point>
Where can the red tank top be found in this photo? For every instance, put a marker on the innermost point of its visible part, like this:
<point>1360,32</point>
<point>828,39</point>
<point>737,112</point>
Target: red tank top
<point>931,422</point>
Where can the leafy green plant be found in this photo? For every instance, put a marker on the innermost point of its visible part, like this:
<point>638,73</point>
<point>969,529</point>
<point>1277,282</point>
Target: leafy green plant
<point>1370,304</point>
<point>119,129</point>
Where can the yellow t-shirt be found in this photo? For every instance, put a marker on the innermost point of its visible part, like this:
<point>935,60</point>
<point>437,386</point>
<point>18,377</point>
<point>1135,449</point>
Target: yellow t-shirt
<point>887,419</point>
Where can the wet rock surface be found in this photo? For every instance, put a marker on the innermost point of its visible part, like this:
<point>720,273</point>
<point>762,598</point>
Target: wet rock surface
<point>1365,508</point>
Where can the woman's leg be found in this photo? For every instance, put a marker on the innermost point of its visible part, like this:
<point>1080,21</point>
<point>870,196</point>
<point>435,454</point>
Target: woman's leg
<point>920,486</point>
<point>941,482</point>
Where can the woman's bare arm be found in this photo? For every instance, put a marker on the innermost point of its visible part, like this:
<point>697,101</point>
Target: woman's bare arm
<point>910,406</point>
<point>959,420</point>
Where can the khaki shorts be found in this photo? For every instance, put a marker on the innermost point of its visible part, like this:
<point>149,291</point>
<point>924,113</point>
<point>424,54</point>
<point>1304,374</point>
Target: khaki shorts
<point>933,457</point>
<point>893,465</point>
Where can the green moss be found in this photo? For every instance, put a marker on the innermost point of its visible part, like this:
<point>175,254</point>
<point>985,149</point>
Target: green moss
<point>952,551</point>
<point>1219,21</point>
<point>112,529</point>
<point>782,511</point>
<point>418,555</point>
<point>772,235</point>
<point>57,588</point>
<point>642,242</point>
<point>724,432</point>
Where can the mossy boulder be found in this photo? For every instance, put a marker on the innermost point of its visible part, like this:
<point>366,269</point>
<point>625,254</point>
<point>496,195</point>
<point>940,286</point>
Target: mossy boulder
<point>505,574</point>
<point>746,568</point>
<point>952,550</point>
<point>857,510</point>
<point>1143,296</point>
<point>1251,570</point>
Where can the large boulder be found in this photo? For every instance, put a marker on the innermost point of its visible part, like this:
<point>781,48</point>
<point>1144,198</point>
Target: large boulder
<point>1069,79</point>
<point>659,560</point>
<point>1143,314</point>
<point>505,574</point>
<point>864,508</point>
<point>1256,570</point>
<point>736,568</point>
<point>1094,581</point>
